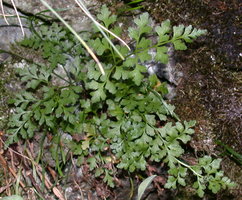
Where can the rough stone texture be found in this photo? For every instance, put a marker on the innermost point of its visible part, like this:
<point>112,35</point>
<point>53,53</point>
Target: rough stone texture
<point>10,33</point>
<point>210,90</point>
<point>72,14</point>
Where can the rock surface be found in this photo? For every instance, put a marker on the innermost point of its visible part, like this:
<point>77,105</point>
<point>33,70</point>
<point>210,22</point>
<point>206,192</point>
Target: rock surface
<point>71,13</point>
<point>210,90</point>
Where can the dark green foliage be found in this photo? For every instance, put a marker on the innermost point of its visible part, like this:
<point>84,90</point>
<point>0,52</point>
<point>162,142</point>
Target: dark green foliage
<point>132,5</point>
<point>118,119</point>
<point>231,153</point>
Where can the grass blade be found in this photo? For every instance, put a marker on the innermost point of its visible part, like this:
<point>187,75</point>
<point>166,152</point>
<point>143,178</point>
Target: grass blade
<point>231,152</point>
<point>19,20</point>
<point>100,27</point>
<point>142,187</point>
<point>4,16</point>
<point>135,1</point>
<point>76,35</point>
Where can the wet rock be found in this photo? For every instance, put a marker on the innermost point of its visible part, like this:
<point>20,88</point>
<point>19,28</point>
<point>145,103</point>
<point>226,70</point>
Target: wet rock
<point>221,18</point>
<point>210,89</point>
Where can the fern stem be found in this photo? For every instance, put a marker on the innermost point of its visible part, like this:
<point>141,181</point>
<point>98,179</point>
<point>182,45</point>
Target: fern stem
<point>189,167</point>
<point>164,103</point>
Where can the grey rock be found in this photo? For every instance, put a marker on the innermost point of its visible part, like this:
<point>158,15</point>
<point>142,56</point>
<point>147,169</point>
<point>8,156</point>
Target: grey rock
<point>69,10</point>
<point>10,30</point>
<point>169,72</point>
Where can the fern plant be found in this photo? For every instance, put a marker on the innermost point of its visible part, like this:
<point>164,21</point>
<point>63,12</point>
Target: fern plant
<point>116,120</point>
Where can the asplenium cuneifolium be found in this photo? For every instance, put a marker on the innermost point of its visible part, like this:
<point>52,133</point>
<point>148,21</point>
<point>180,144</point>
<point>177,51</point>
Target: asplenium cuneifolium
<point>120,118</point>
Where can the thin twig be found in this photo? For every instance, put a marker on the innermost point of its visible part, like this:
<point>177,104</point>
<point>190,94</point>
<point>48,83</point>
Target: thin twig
<point>82,196</point>
<point>15,176</point>
<point>7,15</point>
<point>15,151</point>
